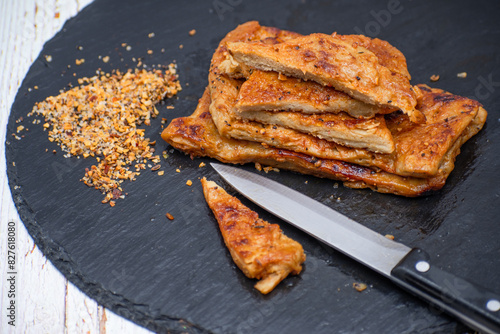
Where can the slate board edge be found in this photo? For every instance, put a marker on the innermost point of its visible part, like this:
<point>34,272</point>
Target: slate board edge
<point>62,260</point>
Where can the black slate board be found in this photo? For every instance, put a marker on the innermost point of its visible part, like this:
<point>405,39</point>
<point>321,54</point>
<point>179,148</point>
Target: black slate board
<point>177,275</point>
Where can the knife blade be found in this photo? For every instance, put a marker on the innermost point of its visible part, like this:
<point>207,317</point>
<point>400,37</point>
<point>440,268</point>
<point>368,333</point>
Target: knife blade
<point>409,268</point>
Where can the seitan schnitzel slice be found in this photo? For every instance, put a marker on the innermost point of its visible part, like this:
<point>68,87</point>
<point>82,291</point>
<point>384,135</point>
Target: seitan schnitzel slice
<point>197,135</point>
<point>335,62</point>
<point>258,248</point>
<point>271,91</point>
<point>371,134</point>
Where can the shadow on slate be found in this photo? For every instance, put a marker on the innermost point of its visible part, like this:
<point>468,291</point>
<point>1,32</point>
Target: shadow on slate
<point>177,276</point>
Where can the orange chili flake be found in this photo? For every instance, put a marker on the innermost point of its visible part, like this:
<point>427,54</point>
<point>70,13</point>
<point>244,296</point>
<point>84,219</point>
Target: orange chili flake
<point>169,216</point>
<point>100,119</point>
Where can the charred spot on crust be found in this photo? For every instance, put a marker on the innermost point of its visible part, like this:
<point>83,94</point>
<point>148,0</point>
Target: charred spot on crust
<point>241,242</point>
<point>205,115</point>
<point>327,67</point>
<point>424,88</point>
<point>308,55</point>
<point>178,122</point>
<point>444,98</point>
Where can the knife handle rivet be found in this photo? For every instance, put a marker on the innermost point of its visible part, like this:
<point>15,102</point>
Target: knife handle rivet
<point>493,305</point>
<point>422,266</point>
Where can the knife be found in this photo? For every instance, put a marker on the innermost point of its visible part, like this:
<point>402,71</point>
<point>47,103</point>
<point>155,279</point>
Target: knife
<point>409,268</point>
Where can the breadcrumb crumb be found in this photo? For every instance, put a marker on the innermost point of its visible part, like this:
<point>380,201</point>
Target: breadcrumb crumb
<point>359,286</point>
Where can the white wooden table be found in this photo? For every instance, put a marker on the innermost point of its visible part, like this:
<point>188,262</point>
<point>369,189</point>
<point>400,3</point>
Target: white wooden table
<point>45,301</point>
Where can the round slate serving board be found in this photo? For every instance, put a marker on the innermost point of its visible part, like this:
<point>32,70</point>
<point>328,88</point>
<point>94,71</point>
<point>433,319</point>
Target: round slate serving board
<point>177,275</point>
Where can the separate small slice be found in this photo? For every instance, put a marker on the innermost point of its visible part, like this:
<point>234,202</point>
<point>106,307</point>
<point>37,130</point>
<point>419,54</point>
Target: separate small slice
<point>258,248</point>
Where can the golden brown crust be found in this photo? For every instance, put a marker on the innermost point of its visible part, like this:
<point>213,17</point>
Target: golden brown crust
<point>388,56</point>
<point>270,91</point>
<point>197,135</point>
<point>421,148</point>
<point>335,62</point>
<point>258,248</point>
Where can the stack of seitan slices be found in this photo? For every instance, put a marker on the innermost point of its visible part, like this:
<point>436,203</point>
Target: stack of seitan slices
<point>332,106</point>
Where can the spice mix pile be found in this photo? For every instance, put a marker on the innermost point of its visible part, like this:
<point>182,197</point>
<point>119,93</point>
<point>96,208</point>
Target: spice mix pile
<point>100,119</point>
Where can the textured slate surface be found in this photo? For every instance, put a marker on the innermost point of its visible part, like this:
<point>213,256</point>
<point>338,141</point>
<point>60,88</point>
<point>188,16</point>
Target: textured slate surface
<point>177,275</point>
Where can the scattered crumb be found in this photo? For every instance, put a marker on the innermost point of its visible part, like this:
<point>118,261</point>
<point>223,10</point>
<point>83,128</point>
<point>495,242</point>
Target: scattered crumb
<point>359,286</point>
<point>462,75</point>
<point>389,236</point>
<point>20,128</point>
<point>258,166</point>
<point>170,107</point>
<point>202,164</point>
<point>36,87</point>
<point>189,183</point>
<point>178,170</point>
<point>269,168</point>
<point>128,48</point>
<point>192,32</point>
<point>112,203</point>
<point>151,35</point>
<point>155,168</point>
<point>79,61</point>
<point>150,52</point>
<point>181,46</point>
<point>169,216</point>
<point>105,59</point>
<point>160,173</point>
<point>434,77</point>
<point>335,185</point>
<point>80,48</point>
<point>48,58</point>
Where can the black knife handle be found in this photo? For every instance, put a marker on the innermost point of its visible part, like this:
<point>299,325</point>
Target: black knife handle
<point>474,305</point>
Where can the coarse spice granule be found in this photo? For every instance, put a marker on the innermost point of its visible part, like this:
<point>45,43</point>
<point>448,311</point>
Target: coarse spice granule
<point>100,119</point>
